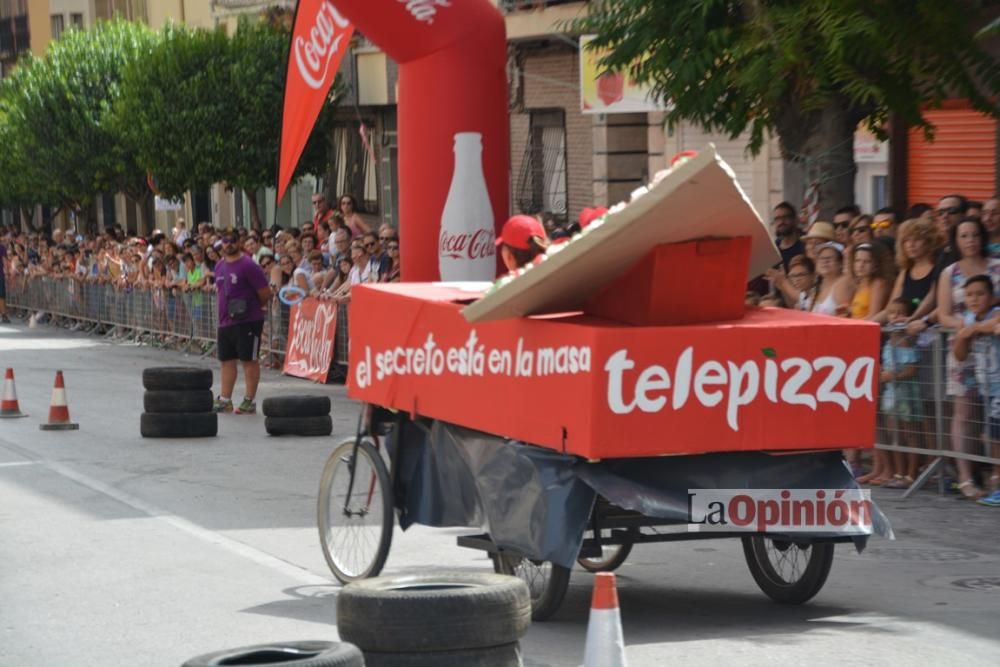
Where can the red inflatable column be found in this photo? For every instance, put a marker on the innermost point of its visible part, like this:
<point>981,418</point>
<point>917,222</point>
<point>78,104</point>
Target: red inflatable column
<point>452,111</point>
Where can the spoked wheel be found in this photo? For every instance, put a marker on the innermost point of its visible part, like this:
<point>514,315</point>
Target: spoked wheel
<point>611,558</point>
<point>355,515</point>
<point>788,572</point>
<point>547,582</point>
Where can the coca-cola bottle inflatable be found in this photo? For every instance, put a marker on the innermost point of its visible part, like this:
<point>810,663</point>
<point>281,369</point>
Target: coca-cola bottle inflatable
<point>467,249</point>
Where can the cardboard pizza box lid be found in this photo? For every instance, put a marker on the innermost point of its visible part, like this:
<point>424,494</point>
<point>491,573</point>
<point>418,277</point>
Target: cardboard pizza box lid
<point>698,199</point>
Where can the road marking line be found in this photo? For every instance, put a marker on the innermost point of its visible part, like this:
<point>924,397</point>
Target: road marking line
<point>204,534</point>
<point>11,464</point>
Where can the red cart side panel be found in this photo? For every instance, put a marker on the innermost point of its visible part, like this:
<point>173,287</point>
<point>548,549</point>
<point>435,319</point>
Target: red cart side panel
<point>774,380</point>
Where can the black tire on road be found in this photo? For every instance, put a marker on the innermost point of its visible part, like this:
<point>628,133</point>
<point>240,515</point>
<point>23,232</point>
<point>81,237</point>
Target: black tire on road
<point>788,572</point>
<point>446,611</point>
<point>508,655</point>
<point>176,378</point>
<point>179,425</point>
<point>547,582</point>
<point>285,654</point>
<point>296,406</point>
<point>164,401</point>
<point>309,426</point>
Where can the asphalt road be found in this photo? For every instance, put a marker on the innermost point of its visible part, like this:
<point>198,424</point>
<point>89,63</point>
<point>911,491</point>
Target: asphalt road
<point>116,550</point>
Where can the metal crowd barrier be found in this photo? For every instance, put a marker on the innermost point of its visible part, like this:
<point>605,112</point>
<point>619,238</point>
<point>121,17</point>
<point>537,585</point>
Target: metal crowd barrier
<point>171,318</point>
<point>930,418</point>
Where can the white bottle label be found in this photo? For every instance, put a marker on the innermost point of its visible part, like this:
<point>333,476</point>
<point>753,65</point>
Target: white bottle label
<point>467,248</point>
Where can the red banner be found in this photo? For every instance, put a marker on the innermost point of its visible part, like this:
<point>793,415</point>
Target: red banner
<point>311,329</point>
<point>320,39</point>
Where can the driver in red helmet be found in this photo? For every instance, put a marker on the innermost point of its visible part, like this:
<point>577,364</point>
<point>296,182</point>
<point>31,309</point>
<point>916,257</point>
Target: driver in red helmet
<point>521,240</point>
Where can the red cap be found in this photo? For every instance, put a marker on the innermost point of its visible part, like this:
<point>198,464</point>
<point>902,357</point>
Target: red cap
<point>518,230</point>
<point>588,215</point>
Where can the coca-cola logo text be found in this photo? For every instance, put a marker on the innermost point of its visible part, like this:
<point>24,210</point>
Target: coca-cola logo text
<point>313,57</point>
<point>311,350</point>
<point>425,10</point>
<point>475,245</point>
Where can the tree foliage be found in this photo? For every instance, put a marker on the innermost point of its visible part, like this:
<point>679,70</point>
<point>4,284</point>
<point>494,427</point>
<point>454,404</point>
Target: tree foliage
<point>60,142</point>
<point>106,107</point>
<point>807,70</point>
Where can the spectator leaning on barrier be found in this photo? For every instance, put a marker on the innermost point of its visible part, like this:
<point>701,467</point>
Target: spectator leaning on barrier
<point>835,288</point>
<point>786,232</point>
<point>395,272</point>
<point>842,220</point>
<point>873,272</point>
<point>243,293</point>
<point>885,227</point>
<point>978,338</point>
<point>900,400</point>
<point>990,218</point>
<point>968,237</point>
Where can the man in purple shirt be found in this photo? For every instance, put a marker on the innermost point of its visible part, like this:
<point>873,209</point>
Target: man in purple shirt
<point>243,294</point>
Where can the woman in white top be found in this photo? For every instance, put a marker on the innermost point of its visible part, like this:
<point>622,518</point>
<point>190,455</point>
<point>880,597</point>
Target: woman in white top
<point>835,289</point>
<point>970,238</point>
<point>360,273</point>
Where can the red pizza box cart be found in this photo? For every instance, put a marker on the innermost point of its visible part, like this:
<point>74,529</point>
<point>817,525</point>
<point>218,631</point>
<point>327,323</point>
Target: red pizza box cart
<point>622,366</point>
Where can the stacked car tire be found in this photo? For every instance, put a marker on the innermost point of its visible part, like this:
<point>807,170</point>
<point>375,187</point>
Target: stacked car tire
<point>178,403</point>
<point>297,415</point>
<point>444,619</point>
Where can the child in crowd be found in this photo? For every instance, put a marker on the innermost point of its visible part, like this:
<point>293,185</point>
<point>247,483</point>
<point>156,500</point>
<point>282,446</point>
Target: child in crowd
<point>978,339</point>
<point>901,401</point>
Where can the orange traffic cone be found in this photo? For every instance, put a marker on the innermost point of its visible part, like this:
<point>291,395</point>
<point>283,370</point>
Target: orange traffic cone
<point>605,643</point>
<point>8,405</point>
<point>58,410</point>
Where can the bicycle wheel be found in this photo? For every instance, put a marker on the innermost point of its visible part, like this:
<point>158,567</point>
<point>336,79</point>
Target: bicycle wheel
<point>355,530</point>
<point>547,582</point>
<point>786,571</point>
<point>611,558</point>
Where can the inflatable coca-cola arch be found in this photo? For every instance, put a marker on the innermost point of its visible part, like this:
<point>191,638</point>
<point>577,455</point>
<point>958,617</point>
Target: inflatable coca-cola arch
<point>453,129</point>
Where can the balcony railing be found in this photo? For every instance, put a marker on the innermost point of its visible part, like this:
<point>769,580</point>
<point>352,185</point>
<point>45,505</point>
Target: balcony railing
<point>515,5</point>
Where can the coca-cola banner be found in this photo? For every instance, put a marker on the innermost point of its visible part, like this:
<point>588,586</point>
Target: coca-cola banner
<point>775,380</point>
<point>312,325</point>
<point>452,127</point>
<point>320,38</point>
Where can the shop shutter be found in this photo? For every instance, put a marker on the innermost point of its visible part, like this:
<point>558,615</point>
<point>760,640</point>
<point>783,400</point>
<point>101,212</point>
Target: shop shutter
<point>961,159</point>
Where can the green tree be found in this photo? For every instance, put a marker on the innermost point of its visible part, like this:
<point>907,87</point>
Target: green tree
<point>176,108</point>
<point>204,108</point>
<point>57,110</point>
<point>806,70</point>
<point>259,59</point>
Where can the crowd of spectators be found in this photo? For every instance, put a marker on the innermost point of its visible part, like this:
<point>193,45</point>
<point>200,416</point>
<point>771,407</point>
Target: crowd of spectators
<point>324,256</point>
<point>909,273</point>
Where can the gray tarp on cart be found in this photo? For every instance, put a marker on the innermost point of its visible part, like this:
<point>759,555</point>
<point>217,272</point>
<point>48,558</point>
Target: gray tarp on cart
<point>537,502</point>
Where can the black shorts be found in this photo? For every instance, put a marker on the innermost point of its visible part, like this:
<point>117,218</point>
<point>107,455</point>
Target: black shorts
<point>3,284</point>
<point>240,341</point>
